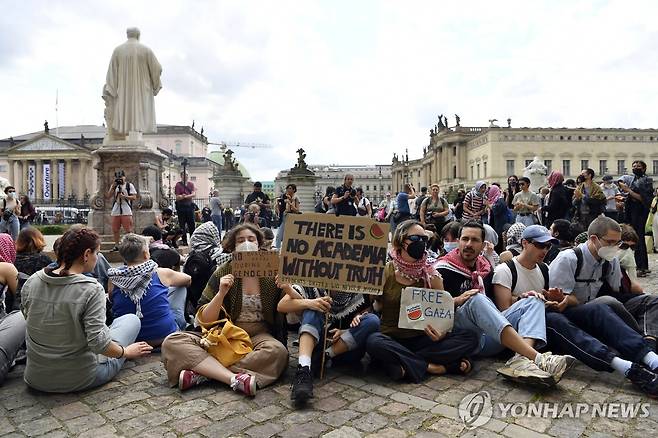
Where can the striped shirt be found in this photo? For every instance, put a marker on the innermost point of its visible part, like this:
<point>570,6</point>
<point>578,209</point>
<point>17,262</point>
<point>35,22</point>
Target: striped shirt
<point>474,203</point>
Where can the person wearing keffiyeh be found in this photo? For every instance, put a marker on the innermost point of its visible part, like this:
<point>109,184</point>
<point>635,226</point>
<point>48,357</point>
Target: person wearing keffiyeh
<point>467,276</point>
<point>12,324</point>
<point>156,295</point>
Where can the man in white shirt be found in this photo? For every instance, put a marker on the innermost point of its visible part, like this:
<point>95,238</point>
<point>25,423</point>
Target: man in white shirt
<point>123,194</point>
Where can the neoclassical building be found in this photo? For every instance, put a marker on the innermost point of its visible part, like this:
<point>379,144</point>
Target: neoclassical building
<point>459,156</point>
<point>60,163</point>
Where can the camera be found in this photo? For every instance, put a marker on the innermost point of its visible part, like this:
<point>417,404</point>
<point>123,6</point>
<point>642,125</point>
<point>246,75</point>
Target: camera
<point>352,193</point>
<point>118,177</point>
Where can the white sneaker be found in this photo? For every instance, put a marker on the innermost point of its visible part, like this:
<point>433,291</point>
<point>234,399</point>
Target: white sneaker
<point>555,365</point>
<point>521,369</point>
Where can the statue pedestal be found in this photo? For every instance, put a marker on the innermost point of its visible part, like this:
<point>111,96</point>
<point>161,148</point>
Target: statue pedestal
<point>231,188</point>
<point>305,180</point>
<point>143,168</point>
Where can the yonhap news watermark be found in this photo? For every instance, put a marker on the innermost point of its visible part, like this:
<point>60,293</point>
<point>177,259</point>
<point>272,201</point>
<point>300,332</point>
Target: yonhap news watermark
<point>477,409</point>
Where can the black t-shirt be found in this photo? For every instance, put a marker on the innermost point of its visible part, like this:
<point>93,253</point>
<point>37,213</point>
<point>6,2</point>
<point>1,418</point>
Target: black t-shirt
<point>345,207</point>
<point>457,283</point>
<point>256,197</point>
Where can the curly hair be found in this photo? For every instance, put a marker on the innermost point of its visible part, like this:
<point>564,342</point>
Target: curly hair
<point>73,245</point>
<point>29,241</point>
<point>228,244</point>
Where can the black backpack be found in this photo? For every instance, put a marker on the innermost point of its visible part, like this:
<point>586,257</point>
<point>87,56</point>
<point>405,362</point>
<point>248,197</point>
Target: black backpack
<point>579,265</point>
<point>543,267</point>
<point>200,267</point>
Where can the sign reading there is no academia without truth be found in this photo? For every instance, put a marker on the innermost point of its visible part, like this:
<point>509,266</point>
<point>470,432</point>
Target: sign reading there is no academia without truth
<point>346,253</point>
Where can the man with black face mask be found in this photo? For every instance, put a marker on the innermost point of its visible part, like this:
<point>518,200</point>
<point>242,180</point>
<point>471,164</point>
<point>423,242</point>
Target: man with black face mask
<point>638,202</point>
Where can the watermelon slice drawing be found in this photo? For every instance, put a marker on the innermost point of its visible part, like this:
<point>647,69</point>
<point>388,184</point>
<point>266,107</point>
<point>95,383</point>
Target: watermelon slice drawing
<point>415,312</point>
<point>376,231</point>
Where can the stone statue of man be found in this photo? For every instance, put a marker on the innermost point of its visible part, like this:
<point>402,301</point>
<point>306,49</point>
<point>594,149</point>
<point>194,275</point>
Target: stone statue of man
<point>133,79</point>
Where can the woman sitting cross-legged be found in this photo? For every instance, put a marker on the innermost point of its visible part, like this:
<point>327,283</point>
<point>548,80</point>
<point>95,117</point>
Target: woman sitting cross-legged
<point>350,327</point>
<point>156,295</point>
<point>69,347</point>
<point>251,304</point>
<point>413,353</point>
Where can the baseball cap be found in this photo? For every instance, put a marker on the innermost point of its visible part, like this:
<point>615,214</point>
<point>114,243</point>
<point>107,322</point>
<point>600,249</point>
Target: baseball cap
<point>538,233</point>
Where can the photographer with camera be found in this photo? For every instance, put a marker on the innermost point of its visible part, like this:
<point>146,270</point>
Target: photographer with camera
<point>11,210</point>
<point>123,195</point>
<point>185,193</point>
<point>343,199</point>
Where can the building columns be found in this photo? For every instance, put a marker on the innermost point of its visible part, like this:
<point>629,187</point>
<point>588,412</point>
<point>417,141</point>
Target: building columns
<point>54,178</point>
<point>10,166</point>
<point>67,178</point>
<point>82,181</point>
<point>24,184</point>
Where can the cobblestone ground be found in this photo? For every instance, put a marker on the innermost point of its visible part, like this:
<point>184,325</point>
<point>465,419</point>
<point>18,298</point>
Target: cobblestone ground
<point>347,404</point>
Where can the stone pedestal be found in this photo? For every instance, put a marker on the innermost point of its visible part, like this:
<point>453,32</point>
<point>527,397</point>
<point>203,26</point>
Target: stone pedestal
<point>143,168</point>
<point>231,187</point>
<point>305,180</point>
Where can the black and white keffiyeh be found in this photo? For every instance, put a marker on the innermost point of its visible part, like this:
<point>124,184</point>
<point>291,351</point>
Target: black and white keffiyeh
<point>343,304</point>
<point>134,281</point>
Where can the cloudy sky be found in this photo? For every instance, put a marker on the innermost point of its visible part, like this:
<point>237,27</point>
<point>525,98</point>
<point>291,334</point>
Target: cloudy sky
<point>350,81</point>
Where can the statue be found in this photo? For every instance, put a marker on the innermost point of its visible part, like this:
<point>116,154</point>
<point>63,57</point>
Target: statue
<point>45,127</point>
<point>424,150</point>
<point>229,161</point>
<point>441,126</point>
<point>509,123</point>
<point>395,157</point>
<point>492,123</point>
<point>445,121</point>
<point>133,79</point>
<point>11,141</point>
<point>82,139</point>
<point>301,164</point>
<point>457,120</point>
<point>202,130</point>
<point>537,172</point>
<point>432,132</point>
<point>192,124</point>
<point>4,183</point>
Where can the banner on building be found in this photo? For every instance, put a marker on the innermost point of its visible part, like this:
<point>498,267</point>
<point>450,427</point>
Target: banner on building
<point>420,307</point>
<point>46,181</point>
<point>60,180</point>
<point>346,253</point>
<point>32,181</point>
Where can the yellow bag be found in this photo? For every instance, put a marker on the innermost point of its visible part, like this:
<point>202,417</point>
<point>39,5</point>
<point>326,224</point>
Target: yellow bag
<point>223,340</point>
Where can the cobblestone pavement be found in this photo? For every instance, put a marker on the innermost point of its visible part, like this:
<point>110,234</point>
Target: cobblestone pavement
<point>140,403</point>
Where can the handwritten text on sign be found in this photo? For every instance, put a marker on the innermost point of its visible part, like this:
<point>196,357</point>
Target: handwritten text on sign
<point>419,307</point>
<point>260,264</point>
<point>345,253</point>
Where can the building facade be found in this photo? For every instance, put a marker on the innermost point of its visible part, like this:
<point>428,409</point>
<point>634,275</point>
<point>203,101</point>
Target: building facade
<point>458,157</point>
<point>59,164</point>
<point>374,179</point>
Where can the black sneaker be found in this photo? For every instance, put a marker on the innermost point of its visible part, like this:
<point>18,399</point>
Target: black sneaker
<point>302,385</point>
<point>651,343</point>
<point>644,379</point>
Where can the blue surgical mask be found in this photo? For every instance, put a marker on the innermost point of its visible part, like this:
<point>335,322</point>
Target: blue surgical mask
<point>449,246</point>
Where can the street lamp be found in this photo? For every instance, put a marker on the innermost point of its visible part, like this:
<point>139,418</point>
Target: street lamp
<point>170,163</point>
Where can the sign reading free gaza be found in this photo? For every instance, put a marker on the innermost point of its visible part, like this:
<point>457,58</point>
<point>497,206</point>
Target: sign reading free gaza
<point>420,307</point>
<point>346,253</point>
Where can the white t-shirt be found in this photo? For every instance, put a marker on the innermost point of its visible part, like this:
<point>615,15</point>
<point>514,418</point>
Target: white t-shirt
<point>526,279</point>
<point>122,208</point>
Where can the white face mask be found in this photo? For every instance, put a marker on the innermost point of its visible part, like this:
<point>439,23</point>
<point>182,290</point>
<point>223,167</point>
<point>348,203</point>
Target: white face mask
<point>608,252</point>
<point>449,246</point>
<point>11,195</point>
<point>246,246</point>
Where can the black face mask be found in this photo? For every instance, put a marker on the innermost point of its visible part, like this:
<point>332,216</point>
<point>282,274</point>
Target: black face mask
<point>638,172</point>
<point>416,250</point>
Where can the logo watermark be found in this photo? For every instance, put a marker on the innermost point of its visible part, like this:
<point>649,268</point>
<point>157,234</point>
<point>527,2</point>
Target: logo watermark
<point>476,410</point>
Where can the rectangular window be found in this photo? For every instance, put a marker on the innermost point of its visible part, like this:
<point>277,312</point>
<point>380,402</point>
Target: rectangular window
<point>621,167</point>
<point>603,167</point>
<point>193,178</point>
<point>566,167</point>
<point>478,170</point>
<point>584,164</point>
<point>4,167</point>
<point>509,167</point>
<point>454,172</point>
<point>454,151</point>
<point>472,174</point>
<point>527,163</point>
<point>549,166</point>
<point>367,188</point>
<point>655,167</point>
<point>485,169</point>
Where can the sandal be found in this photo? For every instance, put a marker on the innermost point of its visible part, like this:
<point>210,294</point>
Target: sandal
<point>456,367</point>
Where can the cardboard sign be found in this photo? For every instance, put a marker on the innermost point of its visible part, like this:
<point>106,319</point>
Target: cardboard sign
<point>258,264</point>
<point>346,253</point>
<point>419,307</point>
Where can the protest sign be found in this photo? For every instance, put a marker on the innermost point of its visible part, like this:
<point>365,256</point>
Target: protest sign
<point>346,253</point>
<point>255,264</point>
<point>419,307</point>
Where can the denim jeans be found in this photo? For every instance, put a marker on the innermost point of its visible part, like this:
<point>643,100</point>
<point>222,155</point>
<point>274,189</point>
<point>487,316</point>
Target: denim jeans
<point>526,220</point>
<point>10,227</point>
<point>124,331</point>
<point>12,336</point>
<point>279,232</point>
<point>177,296</point>
<point>480,315</point>
<point>355,338</point>
<point>590,332</point>
<point>528,318</point>
<point>217,220</point>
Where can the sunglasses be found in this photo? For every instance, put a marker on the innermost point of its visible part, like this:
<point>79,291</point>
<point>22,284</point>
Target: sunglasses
<point>626,246</point>
<point>540,245</point>
<point>418,238</point>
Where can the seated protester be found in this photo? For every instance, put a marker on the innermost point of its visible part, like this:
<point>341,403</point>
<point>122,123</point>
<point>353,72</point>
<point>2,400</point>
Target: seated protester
<point>251,304</point>
<point>450,234</point>
<point>490,243</point>
<point>476,203</point>
<point>525,276</point>
<point>164,255</point>
<point>629,239</point>
<point>201,262</point>
<point>572,289</point>
<point>29,255</point>
<point>66,342</point>
<point>411,353</point>
<point>513,243</point>
<point>350,325</point>
<point>156,295</point>
<point>560,230</point>
<point>12,324</point>
<point>169,227</point>
<point>467,275</point>
<point>268,238</point>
